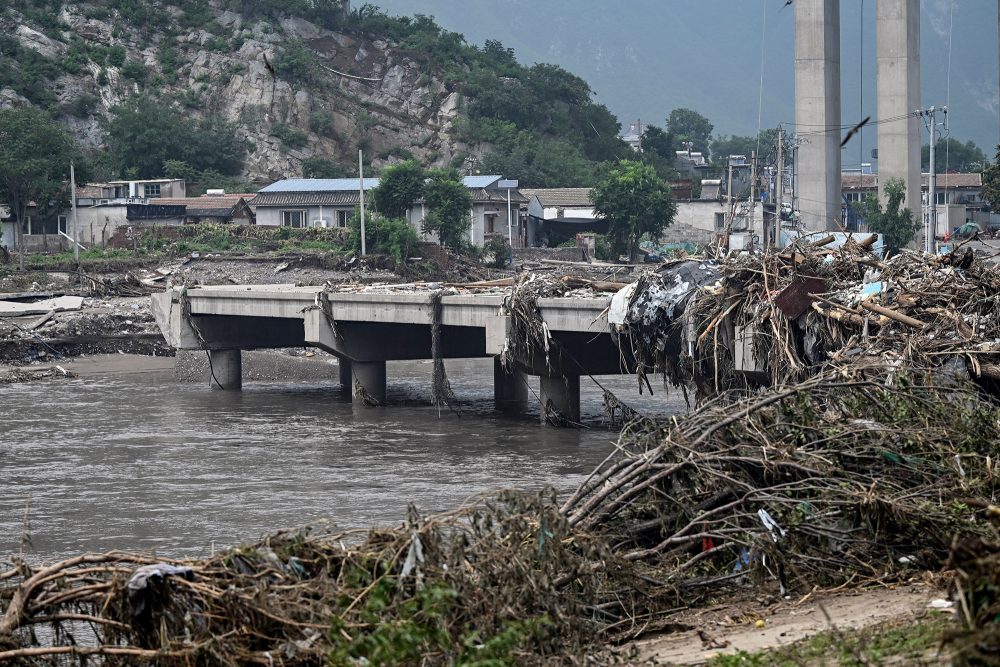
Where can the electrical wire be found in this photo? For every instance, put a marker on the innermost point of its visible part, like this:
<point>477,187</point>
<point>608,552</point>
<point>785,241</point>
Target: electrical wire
<point>760,91</point>
<point>947,145</point>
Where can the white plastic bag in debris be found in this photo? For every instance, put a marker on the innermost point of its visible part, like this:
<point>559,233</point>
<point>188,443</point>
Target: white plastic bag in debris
<point>618,310</point>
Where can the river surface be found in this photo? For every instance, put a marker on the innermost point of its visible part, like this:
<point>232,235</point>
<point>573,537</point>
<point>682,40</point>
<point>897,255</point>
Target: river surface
<point>139,461</point>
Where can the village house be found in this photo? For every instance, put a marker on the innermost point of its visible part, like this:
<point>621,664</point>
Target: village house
<point>104,208</point>
<point>331,202</point>
<point>959,200</point>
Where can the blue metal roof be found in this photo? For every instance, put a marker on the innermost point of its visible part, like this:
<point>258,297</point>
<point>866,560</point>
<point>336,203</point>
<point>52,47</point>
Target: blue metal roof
<point>349,184</point>
<point>318,185</point>
<point>480,181</point>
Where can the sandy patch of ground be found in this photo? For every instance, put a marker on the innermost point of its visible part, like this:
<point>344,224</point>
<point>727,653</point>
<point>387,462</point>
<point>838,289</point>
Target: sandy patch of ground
<point>727,629</point>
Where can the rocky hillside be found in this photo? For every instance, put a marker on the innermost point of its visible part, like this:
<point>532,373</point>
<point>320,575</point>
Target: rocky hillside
<point>292,88</point>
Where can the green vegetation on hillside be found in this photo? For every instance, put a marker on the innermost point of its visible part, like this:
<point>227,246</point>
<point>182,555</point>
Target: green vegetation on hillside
<point>536,123</point>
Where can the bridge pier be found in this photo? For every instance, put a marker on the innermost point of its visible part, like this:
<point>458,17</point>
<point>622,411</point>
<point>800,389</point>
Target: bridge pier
<point>560,395</point>
<point>368,382</point>
<point>225,369</point>
<point>346,376</point>
<point>510,389</point>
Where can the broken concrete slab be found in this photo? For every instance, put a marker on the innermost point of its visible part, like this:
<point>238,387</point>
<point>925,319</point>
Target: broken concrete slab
<point>58,304</point>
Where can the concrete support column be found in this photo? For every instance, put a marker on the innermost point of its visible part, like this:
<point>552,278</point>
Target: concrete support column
<point>510,390</point>
<point>561,395</point>
<point>817,111</point>
<point>225,369</point>
<point>346,381</point>
<point>898,55</point>
<point>368,382</point>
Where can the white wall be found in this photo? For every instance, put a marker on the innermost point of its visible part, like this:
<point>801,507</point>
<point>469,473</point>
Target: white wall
<point>270,216</point>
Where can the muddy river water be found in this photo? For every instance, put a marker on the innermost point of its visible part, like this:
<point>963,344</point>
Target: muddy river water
<point>139,461</point>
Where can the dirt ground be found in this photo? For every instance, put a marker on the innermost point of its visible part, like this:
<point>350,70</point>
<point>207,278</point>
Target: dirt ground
<point>731,628</point>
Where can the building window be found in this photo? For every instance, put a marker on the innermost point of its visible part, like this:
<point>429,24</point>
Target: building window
<point>942,197</point>
<point>295,219</point>
<point>491,222</point>
<point>33,226</point>
<point>152,190</point>
<point>720,220</point>
<point>851,197</point>
<point>63,227</point>
<point>343,218</point>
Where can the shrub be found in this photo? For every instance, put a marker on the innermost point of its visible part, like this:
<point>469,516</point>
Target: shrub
<point>289,136</point>
<point>389,237</point>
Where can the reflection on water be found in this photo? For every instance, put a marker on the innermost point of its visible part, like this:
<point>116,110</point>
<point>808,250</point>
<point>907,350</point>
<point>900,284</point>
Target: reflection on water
<point>142,462</point>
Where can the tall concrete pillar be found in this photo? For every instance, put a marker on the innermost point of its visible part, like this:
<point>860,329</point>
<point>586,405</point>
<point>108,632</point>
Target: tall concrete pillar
<point>346,378</point>
<point>225,369</point>
<point>562,396</point>
<point>510,389</point>
<point>898,36</point>
<point>817,111</point>
<point>368,382</point>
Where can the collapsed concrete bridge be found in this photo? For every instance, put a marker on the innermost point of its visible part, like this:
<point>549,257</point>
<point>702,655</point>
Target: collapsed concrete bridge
<point>365,330</point>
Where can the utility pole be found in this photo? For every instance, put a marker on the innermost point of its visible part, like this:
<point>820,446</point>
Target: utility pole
<point>76,221</point>
<point>729,194</point>
<point>753,190</point>
<point>779,187</point>
<point>361,190</point>
<point>930,228</point>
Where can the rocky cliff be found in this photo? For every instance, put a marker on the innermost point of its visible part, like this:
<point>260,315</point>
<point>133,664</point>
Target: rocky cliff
<point>292,88</point>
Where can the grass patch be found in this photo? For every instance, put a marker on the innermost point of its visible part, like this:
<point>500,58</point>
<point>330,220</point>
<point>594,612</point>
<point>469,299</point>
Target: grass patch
<point>910,644</point>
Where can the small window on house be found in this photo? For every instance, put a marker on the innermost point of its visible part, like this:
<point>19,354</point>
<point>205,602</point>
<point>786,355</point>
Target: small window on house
<point>295,219</point>
<point>941,197</point>
<point>343,218</point>
<point>720,220</point>
<point>152,190</point>
<point>61,222</point>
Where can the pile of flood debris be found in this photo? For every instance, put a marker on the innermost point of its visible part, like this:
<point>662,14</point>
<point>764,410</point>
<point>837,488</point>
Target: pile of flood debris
<point>778,318</point>
<point>829,482</point>
<point>976,593</point>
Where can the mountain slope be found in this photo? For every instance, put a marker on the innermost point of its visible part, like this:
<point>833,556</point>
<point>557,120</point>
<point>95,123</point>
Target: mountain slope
<point>297,79</point>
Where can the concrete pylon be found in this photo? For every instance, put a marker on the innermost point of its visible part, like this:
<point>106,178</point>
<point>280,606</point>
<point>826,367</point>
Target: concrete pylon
<point>898,54</point>
<point>817,111</point>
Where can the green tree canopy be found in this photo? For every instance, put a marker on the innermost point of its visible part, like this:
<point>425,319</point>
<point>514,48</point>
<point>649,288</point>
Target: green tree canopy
<point>322,167</point>
<point>399,186</point>
<point>991,182</point>
<point>896,226</point>
<point>450,203</point>
<point>953,155</point>
<point>635,201</point>
<point>687,125</point>
<point>34,163</point>
<point>142,133</point>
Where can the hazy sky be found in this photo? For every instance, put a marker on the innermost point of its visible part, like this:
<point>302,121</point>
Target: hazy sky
<point>646,57</point>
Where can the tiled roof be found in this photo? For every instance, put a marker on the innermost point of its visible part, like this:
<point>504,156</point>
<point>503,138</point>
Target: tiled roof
<point>482,195</point>
<point>560,196</point>
<point>870,181</point>
<point>305,199</point>
<point>214,202</point>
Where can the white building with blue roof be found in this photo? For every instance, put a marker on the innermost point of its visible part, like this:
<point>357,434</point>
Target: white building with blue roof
<point>331,202</point>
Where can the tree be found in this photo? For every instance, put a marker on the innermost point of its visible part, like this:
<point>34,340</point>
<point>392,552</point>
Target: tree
<point>896,226</point>
<point>991,183</point>
<point>399,186</point>
<point>322,167</point>
<point>635,201</point>
<point>34,164</point>
<point>953,155</point>
<point>143,133</point>
<point>450,203</point>
<point>685,125</point>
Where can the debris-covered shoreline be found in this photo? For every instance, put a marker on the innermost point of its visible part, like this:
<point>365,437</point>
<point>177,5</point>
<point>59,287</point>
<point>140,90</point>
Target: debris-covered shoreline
<point>852,440</point>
